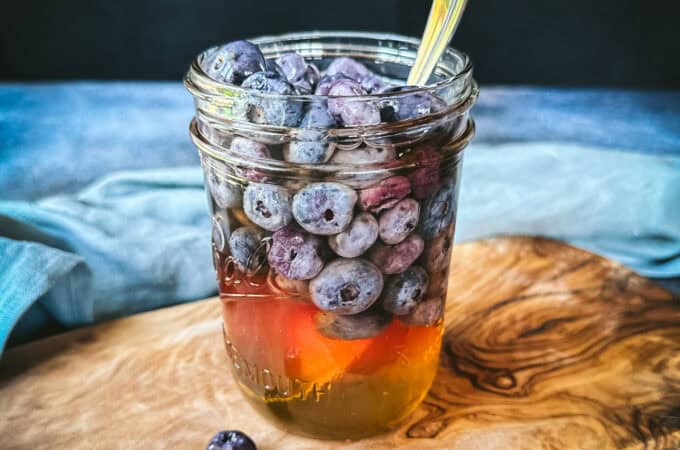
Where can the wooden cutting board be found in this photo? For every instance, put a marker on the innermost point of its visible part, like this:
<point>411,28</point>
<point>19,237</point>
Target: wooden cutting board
<point>546,347</point>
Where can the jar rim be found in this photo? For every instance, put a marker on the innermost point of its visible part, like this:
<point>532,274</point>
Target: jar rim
<point>201,85</point>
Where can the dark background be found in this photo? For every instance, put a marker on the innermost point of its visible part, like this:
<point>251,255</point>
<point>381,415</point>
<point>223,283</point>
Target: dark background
<point>549,42</point>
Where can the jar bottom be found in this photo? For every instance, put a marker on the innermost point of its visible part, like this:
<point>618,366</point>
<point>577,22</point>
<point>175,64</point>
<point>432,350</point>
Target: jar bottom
<point>328,388</point>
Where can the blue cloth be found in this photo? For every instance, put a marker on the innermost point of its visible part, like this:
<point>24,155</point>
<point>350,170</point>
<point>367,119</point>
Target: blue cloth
<point>598,169</point>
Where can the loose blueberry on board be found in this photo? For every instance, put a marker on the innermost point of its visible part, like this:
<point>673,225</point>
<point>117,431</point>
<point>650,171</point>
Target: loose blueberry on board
<point>234,62</point>
<point>399,221</point>
<point>396,258</point>
<point>351,111</point>
<point>296,254</point>
<point>243,243</point>
<point>231,440</point>
<point>438,211</point>
<point>358,237</point>
<point>404,291</point>
<point>425,178</point>
<point>364,325</point>
<point>310,148</point>
<point>385,194</point>
<point>323,87</point>
<point>409,106</point>
<point>426,313</point>
<point>356,71</point>
<point>225,193</point>
<point>220,229</point>
<point>267,205</point>
<point>346,286</point>
<point>437,254</point>
<point>298,72</point>
<point>324,208</point>
<point>267,110</point>
<point>364,155</point>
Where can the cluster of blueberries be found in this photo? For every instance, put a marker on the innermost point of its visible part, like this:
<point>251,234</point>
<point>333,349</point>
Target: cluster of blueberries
<point>362,255</point>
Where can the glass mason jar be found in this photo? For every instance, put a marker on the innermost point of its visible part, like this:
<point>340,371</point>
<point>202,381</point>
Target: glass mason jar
<point>332,276</point>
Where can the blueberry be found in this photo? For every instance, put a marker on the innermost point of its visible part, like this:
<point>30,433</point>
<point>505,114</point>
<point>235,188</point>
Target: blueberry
<point>296,254</point>
<point>225,193</point>
<point>310,147</point>
<point>288,286</point>
<point>438,211</point>
<point>356,71</point>
<point>426,313</point>
<point>364,155</point>
<point>404,291</point>
<point>273,66</point>
<point>348,110</point>
<point>346,286</point>
<point>251,149</point>
<point>357,237</point>
<point>437,252</point>
<point>396,258</point>
<point>243,245</point>
<point>399,221</point>
<point>267,205</point>
<point>409,106</point>
<point>384,194</point>
<point>273,110</point>
<point>425,177</point>
<point>299,73</point>
<point>234,62</point>
<point>364,325</point>
<point>325,83</point>
<point>231,440</point>
<point>221,227</point>
<point>324,208</point>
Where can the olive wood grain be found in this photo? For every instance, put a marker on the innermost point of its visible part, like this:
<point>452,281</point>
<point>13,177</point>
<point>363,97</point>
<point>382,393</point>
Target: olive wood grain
<point>546,347</point>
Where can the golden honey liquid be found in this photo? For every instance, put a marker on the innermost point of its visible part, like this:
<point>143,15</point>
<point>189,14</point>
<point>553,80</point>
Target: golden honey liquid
<point>441,24</point>
<point>315,385</point>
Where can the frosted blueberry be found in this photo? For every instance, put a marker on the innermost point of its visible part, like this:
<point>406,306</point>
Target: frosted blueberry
<point>438,211</point>
<point>296,254</point>
<point>267,205</point>
<point>346,286</point>
<point>399,221</point>
<point>409,106</point>
<point>364,325</point>
<point>426,313</point>
<point>310,148</point>
<point>250,149</point>
<point>357,237</point>
<point>384,194</point>
<point>221,227</point>
<point>271,110</point>
<point>356,71</point>
<point>351,111</point>
<point>396,258</point>
<point>404,291</point>
<point>281,283</point>
<point>225,193</point>
<point>324,208</point>
<point>273,66</point>
<point>364,155</point>
<point>298,72</point>
<point>231,440</point>
<point>437,252</point>
<point>233,62</point>
<point>325,83</point>
<point>243,244</point>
